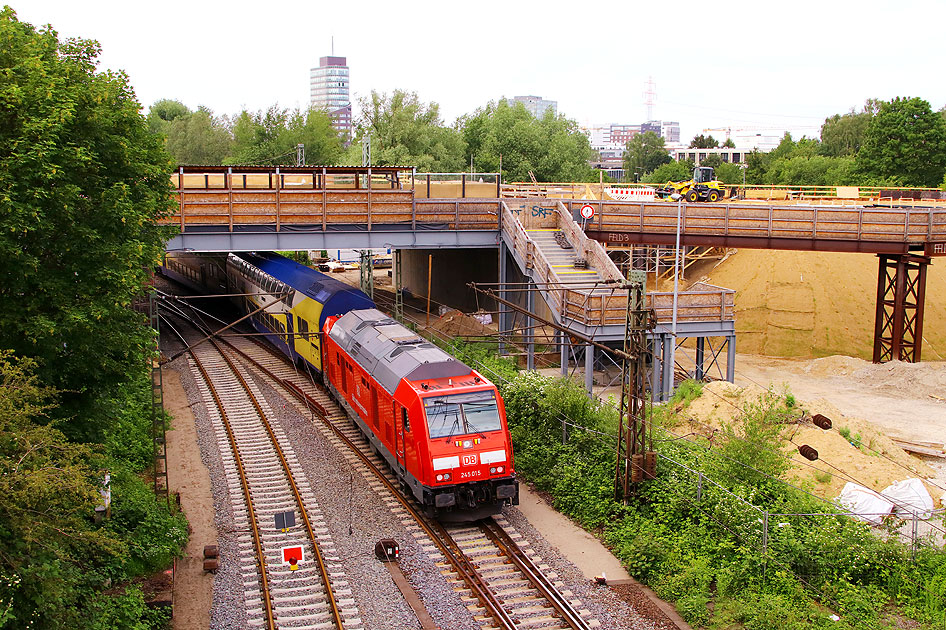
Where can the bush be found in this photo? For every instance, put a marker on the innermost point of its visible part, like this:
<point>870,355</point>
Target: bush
<point>695,552</point>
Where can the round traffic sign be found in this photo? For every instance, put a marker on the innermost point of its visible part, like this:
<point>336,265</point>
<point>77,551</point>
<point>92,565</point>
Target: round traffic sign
<point>587,211</point>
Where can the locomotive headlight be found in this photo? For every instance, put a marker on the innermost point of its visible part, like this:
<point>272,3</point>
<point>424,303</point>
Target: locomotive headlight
<point>439,477</point>
<point>446,476</point>
<point>499,469</point>
<point>492,470</point>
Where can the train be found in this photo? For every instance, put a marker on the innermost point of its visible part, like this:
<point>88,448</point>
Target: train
<point>439,424</point>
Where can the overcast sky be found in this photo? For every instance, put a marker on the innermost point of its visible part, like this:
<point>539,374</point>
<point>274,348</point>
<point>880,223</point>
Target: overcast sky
<point>714,64</point>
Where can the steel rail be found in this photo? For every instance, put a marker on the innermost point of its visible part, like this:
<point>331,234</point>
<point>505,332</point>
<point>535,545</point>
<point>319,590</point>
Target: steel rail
<point>436,532</point>
<point>498,536</point>
<point>260,555</point>
<point>261,558</point>
<point>323,569</point>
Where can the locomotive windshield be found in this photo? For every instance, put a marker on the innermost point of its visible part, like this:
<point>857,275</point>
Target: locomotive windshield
<point>461,414</point>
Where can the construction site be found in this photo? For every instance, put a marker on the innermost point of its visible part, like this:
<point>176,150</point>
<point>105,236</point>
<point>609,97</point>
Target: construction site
<point>827,293</point>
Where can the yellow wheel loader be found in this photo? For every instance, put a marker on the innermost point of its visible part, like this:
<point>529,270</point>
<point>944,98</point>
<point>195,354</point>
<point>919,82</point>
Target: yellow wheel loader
<point>702,187</point>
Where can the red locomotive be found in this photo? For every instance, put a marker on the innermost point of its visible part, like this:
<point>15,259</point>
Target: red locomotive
<point>440,425</point>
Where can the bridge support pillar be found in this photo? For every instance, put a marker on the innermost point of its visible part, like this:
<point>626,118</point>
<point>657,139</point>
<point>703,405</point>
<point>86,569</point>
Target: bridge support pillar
<point>668,368</point>
<point>563,348</point>
<point>699,371</point>
<point>589,367</point>
<point>505,315</point>
<point>656,390</point>
<point>901,292</point>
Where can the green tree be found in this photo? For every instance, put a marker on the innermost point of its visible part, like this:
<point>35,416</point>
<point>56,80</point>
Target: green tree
<point>905,144</point>
<point>551,147</point>
<point>703,142</point>
<point>672,171</point>
<point>162,113</point>
<point>729,144</point>
<point>712,159</point>
<point>84,180</point>
<point>645,151</point>
<point>47,496</point>
<point>842,136</point>
<point>314,130</point>
<point>405,131</point>
<point>729,173</point>
<point>198,138</point>
<point>271,137</point>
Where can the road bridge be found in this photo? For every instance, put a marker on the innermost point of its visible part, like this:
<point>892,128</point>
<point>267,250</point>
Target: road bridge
<point>314,207</point>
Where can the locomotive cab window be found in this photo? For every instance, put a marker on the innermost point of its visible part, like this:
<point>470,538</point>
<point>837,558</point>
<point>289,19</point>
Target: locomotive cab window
<point>462,414</point>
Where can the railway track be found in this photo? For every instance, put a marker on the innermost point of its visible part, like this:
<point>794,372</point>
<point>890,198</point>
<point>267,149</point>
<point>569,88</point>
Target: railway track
<point>264,479</point>
<point>502,585</point>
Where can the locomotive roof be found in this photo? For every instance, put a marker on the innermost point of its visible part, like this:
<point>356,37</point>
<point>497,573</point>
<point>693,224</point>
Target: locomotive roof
<point>390,352</point>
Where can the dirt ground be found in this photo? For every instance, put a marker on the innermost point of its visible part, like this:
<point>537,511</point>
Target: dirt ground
<point>188,476</point>
<point>875,402</point>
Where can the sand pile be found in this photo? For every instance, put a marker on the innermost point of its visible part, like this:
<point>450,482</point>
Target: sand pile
<point>457,324</point>
<point>839,460</point>
<point>813,304</point>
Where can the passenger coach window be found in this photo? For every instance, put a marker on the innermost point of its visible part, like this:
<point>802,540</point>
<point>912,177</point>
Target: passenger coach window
<point>462,414</point>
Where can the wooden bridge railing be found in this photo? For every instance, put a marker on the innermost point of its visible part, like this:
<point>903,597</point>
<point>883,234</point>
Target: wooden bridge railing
<point>725,220</point>
<point>325,208</point>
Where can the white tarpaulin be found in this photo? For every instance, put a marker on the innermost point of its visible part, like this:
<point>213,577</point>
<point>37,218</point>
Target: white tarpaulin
<point>865,504</point>
<point>910,497</point>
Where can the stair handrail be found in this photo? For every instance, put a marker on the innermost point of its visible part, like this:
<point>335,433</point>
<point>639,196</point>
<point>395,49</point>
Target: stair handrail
<point>527,249</point>
<point>591,249</point>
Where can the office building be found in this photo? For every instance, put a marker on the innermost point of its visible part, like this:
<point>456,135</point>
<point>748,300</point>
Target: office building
<point>329,90</point>
<point>535,105</point>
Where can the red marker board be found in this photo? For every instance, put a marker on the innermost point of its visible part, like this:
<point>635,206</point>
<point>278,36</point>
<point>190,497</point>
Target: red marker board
<point>293,552</point>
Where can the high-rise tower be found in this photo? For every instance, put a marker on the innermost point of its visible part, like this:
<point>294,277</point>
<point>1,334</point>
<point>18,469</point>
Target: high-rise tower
<point>329,90</point>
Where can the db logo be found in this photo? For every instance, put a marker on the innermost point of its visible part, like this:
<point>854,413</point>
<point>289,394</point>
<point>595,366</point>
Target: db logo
<point>469,460</point>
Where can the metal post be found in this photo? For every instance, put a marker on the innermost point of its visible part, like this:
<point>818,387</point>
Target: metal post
<point>731,358</point>
<point>676,286</point>
<point>366,272</point>
<point>914,535</point>
<point>430,267</point>
<point>699,488</point>
<point>398,289</point>
<point>530,331</point>
<point>504,313</point>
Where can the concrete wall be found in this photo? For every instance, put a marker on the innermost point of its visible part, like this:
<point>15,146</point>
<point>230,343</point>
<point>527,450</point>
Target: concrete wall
<point>452,270</point>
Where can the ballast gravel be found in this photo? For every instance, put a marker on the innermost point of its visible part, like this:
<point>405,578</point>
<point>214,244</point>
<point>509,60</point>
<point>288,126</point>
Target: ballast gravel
<point>228,609</point>
<point>357,518</point>
<point>605,605</point>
